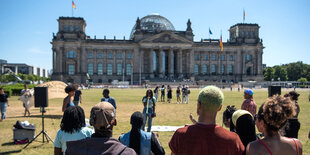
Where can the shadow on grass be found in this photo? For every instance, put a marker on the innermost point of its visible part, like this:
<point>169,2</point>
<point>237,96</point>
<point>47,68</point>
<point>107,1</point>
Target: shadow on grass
<point>8,144</point>
<point>9,152</point>
<point>39,116</point>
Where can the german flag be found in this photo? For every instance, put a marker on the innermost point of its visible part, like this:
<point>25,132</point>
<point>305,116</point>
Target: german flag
<point>221,45</point>
<point>73,5</point>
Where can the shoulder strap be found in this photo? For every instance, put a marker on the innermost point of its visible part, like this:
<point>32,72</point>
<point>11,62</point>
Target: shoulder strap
<point>296,146</point>
<point>265,146</point>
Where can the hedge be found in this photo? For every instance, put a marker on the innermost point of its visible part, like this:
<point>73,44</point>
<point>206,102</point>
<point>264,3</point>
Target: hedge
<point>15,89</point>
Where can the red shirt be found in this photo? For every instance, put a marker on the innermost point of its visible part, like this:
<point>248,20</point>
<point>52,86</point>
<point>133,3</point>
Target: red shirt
<point>205,139</point>
<point>249,105</point>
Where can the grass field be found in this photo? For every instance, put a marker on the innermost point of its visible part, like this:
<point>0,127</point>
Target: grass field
<point>129,101</point>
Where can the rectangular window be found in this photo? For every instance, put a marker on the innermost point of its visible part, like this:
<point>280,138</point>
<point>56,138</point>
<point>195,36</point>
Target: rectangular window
<point>109,55</point>
<point>76,28</point>
<point>231,58</point>
<point>90,69</point>
<point>90,55</point>
<point>223,69</point>
<point>248,57</point>
<point>196,56</point>
<point>128,69</point>
<point>213,69</point>
<point>71,54</point>
<point>205,57</point>
<point>196,71</point>
<point>204,69</point>
<point>230,69</point>
<point>119,55</point>
<point>109,69</point>
<point>100,69</point>
<point>65,28</point>
<point>71,69</point>
<point>223,57</point>
<point>128,55</point>
<point>213,57</point>
<point>119,69</point>
<point>99,55</point>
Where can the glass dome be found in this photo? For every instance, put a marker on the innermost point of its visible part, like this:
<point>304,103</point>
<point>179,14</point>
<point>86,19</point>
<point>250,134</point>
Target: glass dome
<point>154,22</point>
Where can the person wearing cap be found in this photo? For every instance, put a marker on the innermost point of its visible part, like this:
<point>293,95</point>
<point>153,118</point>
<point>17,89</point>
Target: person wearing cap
<point>72,128</point>
<point>206,137</point>
<point>102,118</point>
<point>144,143</point>
<point>249,103</point>
<point>107,98</point>
<point>242,122</point>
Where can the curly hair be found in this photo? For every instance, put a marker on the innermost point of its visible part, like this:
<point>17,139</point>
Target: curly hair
<point>294,95</point>
<point>70,88</point>
<point>73,119</point>
<point>275,112</point>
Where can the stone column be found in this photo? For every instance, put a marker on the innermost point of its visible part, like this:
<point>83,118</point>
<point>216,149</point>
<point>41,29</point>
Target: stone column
<point>151,61</point>
<point>160,62</point>
<point>170,63</point>
<point>259,62</point>
<point>78,61</point>
<point>191,63</point>
<point>180,63</point>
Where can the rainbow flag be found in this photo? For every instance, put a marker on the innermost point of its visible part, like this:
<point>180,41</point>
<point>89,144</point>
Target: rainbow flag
<point>73,5</point>
<point>221,45</point>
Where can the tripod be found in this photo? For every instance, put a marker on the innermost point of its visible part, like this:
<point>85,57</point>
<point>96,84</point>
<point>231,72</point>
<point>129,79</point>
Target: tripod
<point>42,109</point>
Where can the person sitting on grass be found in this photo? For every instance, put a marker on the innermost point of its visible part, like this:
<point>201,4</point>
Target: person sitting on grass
<point>271,117</point>
<point>102,118</point>
<point>72,127</point>
<point>249,103</point>
<point>68,101</point>
<point>206,137</point>
<point>144,143</point>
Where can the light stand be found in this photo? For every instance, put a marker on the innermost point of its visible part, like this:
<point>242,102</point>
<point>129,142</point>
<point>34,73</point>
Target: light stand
<point>42,109</point>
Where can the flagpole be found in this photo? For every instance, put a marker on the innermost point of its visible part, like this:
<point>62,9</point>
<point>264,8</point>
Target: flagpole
<point>72,8</point>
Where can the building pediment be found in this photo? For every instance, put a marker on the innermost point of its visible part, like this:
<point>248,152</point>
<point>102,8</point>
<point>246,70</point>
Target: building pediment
<point>166,37</point>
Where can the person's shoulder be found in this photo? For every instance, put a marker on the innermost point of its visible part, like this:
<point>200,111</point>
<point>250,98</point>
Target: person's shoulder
<point>87,130</point>
<point>183,130</point>
<point>128,151</point>
<point>254,147</point>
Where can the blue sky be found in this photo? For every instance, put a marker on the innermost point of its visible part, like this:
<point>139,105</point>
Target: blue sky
<point>26,27</point>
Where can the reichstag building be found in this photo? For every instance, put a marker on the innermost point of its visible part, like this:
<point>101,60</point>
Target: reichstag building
<point>155,51</point>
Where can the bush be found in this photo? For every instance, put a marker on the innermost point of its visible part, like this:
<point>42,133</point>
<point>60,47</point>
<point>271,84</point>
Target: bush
<point>15,89</point>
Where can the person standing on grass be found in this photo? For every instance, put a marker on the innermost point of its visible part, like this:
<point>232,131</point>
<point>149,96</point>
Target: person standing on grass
<point>68,101</point>
<point>156,92</point>
<point>178,93</point>
<point>144,143</point>
<point>183,93</point>
<point>205,136</point>
<point>162,90</point>
<point>271,117</point>
<point>169,93</point>
<point>77,96</point>
<point>249,103</point>
<point>149,103</point>
<point>292,126</point>
<point>4,102</point>
<point>72,128</point>
<point>26,103</point>
<point>107,98</point>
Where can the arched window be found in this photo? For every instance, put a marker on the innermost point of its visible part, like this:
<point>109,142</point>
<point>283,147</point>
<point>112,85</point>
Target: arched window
<point>249,71</point>
<point>213,69</point>
<point>71,69</point>
<point>90,55</point>
<point>109,55</point>
<point>71,54</point>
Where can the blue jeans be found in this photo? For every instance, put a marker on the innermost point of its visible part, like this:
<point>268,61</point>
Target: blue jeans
<point>149,116</point>
<point>3,106</point>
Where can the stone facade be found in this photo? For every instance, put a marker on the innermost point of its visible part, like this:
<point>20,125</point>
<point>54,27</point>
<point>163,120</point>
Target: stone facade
<point>155,51</point>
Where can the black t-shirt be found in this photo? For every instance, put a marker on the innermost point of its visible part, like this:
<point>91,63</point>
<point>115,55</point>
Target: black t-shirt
<point>77,95</point>
<point>3,97</point>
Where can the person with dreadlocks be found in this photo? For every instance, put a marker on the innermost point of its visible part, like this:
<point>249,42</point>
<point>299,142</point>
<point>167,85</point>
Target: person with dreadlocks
<point>144,143</point>
<point>102,118</point>
<point>72,128</point>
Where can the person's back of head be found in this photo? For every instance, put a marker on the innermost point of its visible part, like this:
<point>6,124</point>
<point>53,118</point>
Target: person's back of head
<point>210,98</point>
<point>73,119</point>
<point>227,116</point>
<point>102,117</point>
<point>243,123</point>
<point>136,122</point>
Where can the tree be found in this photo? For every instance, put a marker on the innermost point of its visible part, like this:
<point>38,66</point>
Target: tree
<point>269,74</point>
<point>302,80</point>
<point>280,72</point>
<point>295,70</point>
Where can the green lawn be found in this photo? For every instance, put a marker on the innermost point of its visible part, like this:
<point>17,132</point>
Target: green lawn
<point>129,101</point>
